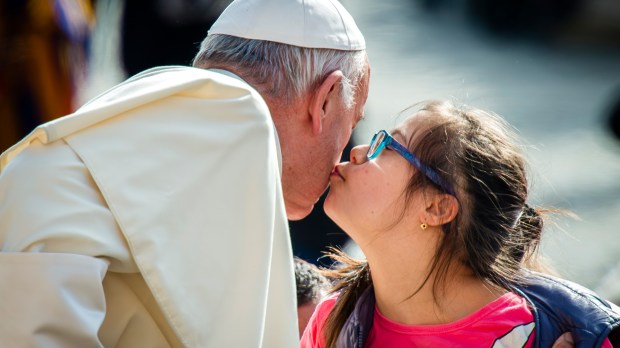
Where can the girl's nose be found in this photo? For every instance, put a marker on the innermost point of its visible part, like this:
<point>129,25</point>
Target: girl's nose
<point>358,154</point>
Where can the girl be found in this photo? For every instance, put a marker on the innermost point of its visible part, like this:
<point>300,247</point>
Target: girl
<point>439,208</point>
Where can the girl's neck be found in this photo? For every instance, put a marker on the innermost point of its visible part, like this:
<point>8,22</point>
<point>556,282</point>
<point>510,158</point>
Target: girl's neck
<point>396,279</point>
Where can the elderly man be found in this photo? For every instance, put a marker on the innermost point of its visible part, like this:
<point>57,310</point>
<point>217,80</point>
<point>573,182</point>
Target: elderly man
<point>156,214</point>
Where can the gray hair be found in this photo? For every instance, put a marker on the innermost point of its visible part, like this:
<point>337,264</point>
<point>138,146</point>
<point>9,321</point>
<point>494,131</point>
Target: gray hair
<point>282,70</point>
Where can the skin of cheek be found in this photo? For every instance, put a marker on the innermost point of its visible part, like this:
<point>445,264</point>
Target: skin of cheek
<point>366,201</point>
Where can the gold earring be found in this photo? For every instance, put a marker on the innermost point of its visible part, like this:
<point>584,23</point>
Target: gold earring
<point>423,226</point>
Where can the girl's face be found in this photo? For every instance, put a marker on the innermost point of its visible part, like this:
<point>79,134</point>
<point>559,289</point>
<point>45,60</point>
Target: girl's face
<point>367,196</point>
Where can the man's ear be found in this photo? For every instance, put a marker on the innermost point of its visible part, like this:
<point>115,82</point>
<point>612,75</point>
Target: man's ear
<point>441,209</point>
<point>323,98</point>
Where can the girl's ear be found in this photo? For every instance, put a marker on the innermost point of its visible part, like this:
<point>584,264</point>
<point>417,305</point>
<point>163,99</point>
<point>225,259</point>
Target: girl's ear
<point>441,209</point>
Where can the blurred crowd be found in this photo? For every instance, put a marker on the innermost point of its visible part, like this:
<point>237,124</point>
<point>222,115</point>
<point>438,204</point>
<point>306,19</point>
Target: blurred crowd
<point>45,48</point>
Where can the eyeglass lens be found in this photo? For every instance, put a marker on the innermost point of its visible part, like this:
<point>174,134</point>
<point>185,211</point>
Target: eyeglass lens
<point>375,144</point>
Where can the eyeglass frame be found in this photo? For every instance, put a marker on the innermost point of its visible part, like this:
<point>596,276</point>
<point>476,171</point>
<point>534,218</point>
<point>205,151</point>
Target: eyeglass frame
<point>389,142</point>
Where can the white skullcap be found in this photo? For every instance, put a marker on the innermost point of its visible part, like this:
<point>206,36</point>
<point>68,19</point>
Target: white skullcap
<point>304,23</point>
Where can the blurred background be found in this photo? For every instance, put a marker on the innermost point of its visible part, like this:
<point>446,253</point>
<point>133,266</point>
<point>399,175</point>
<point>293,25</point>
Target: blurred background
<point>550,67</point>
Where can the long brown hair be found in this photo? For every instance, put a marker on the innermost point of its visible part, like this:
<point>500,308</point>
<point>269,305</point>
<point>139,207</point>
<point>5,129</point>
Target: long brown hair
<point>495,231</point>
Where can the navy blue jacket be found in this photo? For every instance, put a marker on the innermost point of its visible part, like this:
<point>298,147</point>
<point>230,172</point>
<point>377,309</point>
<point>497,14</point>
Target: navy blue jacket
<point>558,306</point>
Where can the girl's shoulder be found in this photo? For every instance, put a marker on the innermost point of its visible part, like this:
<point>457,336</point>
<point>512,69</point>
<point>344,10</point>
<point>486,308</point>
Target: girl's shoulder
<point>510,309</point>
<point>325,306</point>
<point>313,336</point>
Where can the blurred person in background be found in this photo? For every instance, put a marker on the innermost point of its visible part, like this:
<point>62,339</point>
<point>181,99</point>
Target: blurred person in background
<point>156,214</point>
<point>613,117</point>
<point>441,211</point>
<point>44,49</point>
<point>164,32</point>
<point>311,287</point>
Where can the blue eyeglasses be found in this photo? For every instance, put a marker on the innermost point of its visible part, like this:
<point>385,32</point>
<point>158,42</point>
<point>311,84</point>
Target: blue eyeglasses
<point>383,139</point>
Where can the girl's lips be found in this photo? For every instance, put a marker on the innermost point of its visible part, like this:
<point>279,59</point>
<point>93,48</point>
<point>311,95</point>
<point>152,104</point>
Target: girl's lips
<point>336,172</point>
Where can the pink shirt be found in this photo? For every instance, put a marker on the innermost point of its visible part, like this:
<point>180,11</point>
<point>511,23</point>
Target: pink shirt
<point>505,322</point>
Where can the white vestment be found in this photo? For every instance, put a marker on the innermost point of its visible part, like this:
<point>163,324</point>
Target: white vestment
<point>151,217</point>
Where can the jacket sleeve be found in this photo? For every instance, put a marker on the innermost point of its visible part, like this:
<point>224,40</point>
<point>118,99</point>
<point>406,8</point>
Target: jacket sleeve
<point>51,299</point>
<point>560,306</point>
